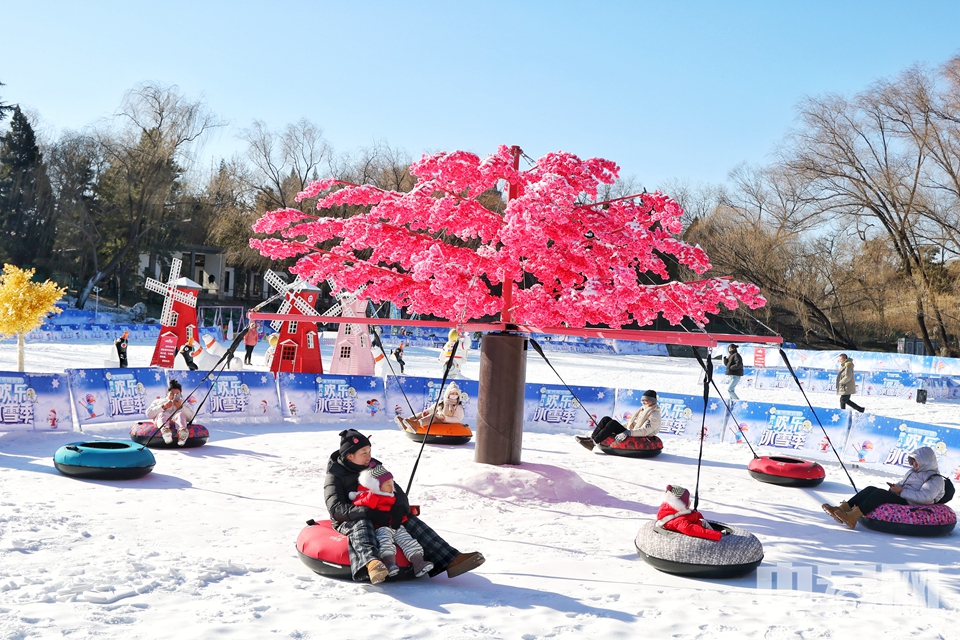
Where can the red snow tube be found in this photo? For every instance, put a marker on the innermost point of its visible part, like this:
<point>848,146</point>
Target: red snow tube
<point>646,447</point>
<point>911,519</point>
<point>324,550</point>
<point>789,472</point>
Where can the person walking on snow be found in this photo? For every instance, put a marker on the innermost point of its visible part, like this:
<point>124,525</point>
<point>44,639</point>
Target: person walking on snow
<point>644,423</point>
<point>250,341</point>
<point>376,491</point>
<point>922,484</point>
<point>734,364</point>
<point>172,410</point>
<point>343,473</point>
<point>846,383</point>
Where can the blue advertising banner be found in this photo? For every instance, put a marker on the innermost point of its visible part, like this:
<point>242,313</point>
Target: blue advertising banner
<point>892,384</point>
<point>34,402</point>
<point>115,395</point>
<point>234,395</point>
<point>422,394</point>
<point>777,379</point>
<point>325,398</point>
<point>792,429</point>
<point>547,407</point>
<point>759,356</point>
<point>945,388</point>
<point>681,416</point>
<point>884,443</point>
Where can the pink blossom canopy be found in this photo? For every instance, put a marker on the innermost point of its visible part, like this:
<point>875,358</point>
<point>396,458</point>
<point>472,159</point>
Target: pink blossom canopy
<point>437,250</point>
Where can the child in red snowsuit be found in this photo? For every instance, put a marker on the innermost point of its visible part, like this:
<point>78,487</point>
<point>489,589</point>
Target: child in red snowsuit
<point>675,514</point>
<point>375,491</point>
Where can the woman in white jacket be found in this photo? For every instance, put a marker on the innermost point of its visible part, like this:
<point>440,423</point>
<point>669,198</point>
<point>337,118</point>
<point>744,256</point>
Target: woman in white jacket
<point>923,484</point>
<point>172,410</point>
<point>644,423</point>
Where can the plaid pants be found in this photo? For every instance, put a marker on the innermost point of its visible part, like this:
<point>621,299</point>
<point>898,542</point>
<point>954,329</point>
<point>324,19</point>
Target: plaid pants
<point>362,545</point>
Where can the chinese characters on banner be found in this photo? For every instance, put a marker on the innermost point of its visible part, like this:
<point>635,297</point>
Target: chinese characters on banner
<point>547,407</point>
<point>308,397</point>
<point>34,401</point>
<point>115,395</point>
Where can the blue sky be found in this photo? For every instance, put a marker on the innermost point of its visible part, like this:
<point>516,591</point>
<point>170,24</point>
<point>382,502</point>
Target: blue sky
<point>668,90</point>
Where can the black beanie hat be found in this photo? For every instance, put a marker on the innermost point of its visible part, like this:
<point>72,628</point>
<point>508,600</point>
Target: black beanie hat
<point>650,395</point>
<point>352,440</point>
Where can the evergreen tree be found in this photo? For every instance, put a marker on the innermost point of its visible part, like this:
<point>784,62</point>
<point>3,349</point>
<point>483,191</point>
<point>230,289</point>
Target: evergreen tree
<point>4,108</point>
<point>27,224</point>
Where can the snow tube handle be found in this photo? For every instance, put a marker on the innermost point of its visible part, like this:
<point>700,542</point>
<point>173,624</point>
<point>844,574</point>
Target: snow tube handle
<point>73,448</point>
<point>311,522</point>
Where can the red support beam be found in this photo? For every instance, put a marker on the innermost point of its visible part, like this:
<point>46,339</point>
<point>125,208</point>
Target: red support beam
<point>638,335</point>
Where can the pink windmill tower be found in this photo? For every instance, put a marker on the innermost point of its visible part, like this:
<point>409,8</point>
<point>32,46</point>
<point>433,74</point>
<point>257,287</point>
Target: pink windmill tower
<point>352,354</point>
<point>298,342</point>
<point>178,320</point>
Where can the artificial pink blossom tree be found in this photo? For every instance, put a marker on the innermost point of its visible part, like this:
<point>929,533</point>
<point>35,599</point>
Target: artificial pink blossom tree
<point>437,250</point>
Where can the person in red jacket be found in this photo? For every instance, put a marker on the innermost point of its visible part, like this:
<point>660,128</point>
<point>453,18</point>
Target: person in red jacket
<point>675,514</point>
<point>375,491</point>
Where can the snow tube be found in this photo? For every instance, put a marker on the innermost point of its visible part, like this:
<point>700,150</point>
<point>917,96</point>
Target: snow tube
<point>911,519</point>
<point>786,471</point>
<point>324,550</point>
<point>440,432</point>
<point>646,447</point>
<point>104,460</point>
<point>147,433</point>
<point>737,553</point>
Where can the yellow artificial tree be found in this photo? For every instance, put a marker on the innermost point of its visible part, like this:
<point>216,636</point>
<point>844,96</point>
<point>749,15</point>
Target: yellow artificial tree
<point>24,304</point>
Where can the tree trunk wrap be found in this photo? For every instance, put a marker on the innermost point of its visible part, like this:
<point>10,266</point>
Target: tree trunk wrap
<point>503,369</point>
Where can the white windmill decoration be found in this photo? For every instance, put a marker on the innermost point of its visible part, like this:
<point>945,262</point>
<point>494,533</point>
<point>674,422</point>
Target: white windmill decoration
<point>290,299</point>
<point>170,293</point>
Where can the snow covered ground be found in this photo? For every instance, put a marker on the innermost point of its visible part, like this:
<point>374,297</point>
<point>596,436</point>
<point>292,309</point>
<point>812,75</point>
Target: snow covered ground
<point>204,546</point>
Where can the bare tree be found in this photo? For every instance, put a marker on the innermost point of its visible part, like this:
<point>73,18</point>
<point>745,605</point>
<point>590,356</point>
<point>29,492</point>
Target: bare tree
<point>860,167</point>
<point>284,161</point>
<point>140,187</point>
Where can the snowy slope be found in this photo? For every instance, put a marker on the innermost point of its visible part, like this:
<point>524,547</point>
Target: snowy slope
<point>204,546</point>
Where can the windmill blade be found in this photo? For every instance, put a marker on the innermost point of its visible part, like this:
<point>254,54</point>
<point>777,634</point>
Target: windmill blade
<point>166,316</point>
<point>274,280</point>
<point>303,306</point>
<point>156,286</point>
<point>333,311</point>
<point>276,325</point>
<point>183,297</point>
<point>175,266</point>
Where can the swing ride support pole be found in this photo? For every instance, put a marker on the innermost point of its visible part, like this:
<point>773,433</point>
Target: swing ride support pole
<point>503,372</point>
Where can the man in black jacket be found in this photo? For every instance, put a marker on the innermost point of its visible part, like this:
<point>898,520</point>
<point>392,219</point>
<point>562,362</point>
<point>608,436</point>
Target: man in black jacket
<point>357,523</point>
<point>734,364</point>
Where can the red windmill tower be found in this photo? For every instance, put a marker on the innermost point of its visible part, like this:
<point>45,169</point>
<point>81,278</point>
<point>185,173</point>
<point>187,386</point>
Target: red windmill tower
<point>179,317</point>
<point>298,343</point>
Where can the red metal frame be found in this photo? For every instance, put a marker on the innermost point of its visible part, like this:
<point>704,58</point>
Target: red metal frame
<point>665,337</point>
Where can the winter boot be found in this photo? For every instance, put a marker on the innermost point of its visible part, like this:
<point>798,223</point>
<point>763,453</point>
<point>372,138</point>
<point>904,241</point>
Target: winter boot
<point>851,517</point>
<point>167,434</point>
<point>421,567</point>
<point>183,435</point>
<point>391,562</point>
<point>464,562</point>
<point>377,572</point>
<point>834,512</point>
<point>585,441</point>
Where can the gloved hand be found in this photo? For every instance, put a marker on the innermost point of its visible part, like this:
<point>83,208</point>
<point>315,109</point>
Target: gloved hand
<point>622,436</point>
<point>397,514</point>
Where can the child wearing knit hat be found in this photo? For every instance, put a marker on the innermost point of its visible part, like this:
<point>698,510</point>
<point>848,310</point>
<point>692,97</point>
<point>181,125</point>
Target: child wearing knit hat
<point>375,491</point>
<point>675,514</point>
